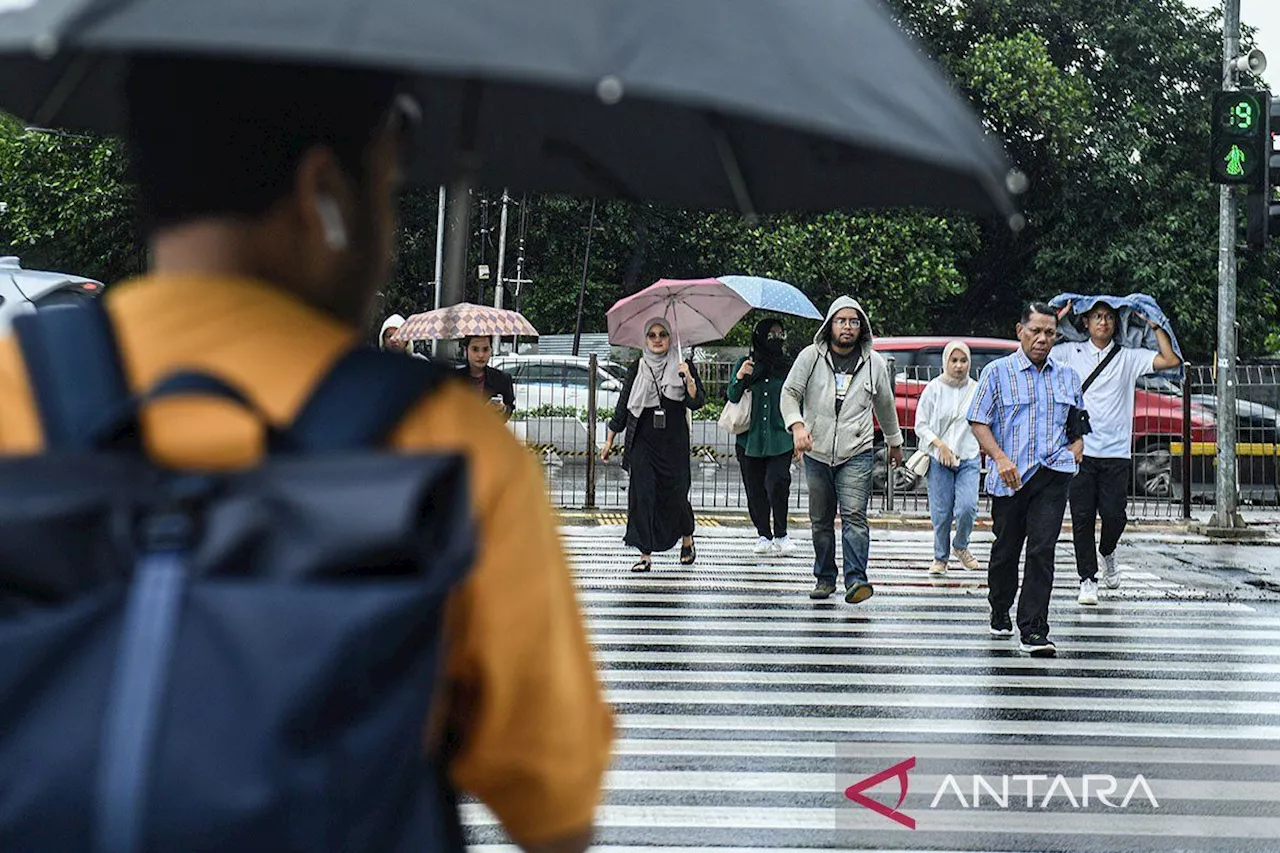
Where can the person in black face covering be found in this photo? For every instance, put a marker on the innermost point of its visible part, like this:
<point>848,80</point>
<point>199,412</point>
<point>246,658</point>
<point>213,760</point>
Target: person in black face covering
<point>765,450</point>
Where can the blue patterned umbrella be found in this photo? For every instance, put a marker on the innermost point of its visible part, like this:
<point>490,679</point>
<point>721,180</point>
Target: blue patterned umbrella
<point>768,294</point>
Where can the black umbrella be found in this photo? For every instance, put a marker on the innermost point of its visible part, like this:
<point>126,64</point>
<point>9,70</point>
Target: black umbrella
<point>755,105</point>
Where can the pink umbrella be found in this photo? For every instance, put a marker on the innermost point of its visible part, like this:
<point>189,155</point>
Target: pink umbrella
<point>698,309</point>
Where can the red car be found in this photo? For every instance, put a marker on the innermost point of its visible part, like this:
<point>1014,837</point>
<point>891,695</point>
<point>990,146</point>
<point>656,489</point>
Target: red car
<point>1157,414</point>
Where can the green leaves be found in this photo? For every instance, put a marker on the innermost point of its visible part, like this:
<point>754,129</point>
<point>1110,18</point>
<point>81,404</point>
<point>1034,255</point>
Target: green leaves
<point>68,206</point>
<point>1025,98</point>
<point>1107,113</point>
<point>902,266</point>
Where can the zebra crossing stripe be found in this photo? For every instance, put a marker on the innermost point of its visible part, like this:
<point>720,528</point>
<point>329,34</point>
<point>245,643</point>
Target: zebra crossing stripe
<point>971,681</point>
<point>745,710</point>
<point>1156,826</point>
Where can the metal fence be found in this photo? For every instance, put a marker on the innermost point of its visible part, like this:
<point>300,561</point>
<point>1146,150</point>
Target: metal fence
<point>563,408</point>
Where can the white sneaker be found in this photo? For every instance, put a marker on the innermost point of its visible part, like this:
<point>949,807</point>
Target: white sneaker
<point>1110,571</point>
<point>966,558</point>
<point>1088,592</point>
<point>938,567</point>
<point>763,545</point>
<point>784,545</point>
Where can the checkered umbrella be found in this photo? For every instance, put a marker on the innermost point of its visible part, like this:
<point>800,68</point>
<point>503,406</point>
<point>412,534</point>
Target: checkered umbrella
<point>464,320</point>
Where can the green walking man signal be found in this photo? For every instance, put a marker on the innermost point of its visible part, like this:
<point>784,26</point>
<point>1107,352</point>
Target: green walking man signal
<point>1235,162</point>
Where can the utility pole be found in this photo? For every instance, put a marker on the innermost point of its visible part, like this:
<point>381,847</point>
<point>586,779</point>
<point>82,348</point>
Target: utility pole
<point>454,286</point>
<point>435,345</point>
<point>1227,497</point>
<point>519,281</point>
<point>582,291</point>
<point>484,248</point>
<point>498,286</point>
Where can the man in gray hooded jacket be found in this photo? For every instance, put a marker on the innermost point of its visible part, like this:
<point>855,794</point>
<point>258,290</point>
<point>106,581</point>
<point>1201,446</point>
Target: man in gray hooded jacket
<point>827,404</point>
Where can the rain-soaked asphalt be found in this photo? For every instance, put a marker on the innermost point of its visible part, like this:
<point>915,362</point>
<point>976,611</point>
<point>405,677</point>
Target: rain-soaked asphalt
<point>746,710</point>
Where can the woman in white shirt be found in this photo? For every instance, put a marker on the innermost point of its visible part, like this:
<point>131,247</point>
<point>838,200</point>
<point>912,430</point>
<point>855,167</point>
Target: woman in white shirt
<point>954,467</point>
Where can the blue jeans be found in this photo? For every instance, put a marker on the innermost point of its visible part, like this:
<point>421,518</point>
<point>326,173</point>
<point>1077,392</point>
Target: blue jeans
<point>849,487</point>
<point>953,495</point>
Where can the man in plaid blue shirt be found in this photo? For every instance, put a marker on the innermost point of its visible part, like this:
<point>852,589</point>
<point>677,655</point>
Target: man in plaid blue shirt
<point>1019,416</point>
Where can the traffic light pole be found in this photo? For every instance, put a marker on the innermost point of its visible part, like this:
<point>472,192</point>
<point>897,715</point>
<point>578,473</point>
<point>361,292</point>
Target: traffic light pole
<point>1227,498</point>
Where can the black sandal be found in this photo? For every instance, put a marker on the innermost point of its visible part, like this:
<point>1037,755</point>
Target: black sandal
<point>642,565</point>
<point>688,554</point>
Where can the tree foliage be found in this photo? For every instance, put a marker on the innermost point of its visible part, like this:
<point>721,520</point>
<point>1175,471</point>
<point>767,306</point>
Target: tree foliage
<point>68,206</point>
<point>1107,112</point>
<point>1103,107</point>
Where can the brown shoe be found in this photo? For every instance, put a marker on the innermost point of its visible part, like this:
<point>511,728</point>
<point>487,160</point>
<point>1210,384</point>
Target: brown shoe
<point>858,593</point>
<point>823,590</point>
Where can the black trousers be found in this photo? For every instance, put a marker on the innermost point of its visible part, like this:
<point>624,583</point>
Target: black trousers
<point>1032,515</point>
<point>767,480</point>
<point>1101,488</point>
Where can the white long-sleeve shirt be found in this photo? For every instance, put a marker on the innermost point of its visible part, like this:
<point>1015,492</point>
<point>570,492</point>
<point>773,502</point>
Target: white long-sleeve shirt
<point>940,413</point>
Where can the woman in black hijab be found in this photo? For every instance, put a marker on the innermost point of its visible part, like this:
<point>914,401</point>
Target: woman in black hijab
<point>765,450</point>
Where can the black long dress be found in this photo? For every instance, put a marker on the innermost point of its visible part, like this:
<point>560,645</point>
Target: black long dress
<point>659,514</point>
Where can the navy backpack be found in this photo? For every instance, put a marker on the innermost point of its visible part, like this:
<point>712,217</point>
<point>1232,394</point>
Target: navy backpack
<point>223,662</point>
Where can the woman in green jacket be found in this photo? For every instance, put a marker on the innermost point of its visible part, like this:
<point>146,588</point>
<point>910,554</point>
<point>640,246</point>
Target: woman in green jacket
<point>765,450</point>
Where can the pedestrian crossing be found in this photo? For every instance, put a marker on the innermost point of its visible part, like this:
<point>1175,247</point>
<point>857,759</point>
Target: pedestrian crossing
<point>746,710</point>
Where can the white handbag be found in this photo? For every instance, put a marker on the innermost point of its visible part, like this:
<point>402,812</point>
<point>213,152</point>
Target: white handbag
<point>736,417</point>
<point>918,463</point>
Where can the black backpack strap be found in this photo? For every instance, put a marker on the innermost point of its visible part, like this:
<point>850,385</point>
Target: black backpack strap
<point>362,399</point>
<point>1115,351</point>
<point>76,374</point>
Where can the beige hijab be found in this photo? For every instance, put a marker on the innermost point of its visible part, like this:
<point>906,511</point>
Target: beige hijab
<point>946,360</point>
<point>657,375</point>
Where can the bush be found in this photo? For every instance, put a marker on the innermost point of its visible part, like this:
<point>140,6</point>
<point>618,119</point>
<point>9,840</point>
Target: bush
<point>710,412</point>
<point>546,411</point>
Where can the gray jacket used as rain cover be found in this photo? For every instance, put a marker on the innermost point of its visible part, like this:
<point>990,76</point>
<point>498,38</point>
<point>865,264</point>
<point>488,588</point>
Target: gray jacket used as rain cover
<point>809,396</point>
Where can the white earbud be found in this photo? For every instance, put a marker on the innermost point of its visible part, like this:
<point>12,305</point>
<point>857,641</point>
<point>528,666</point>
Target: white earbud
<point>335,230</point>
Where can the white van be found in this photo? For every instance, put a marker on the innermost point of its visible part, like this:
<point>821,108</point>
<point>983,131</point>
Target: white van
<point>26,291</point>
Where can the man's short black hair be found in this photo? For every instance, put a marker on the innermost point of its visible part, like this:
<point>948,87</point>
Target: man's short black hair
<point>218,137</point>
<point>1038,308</point>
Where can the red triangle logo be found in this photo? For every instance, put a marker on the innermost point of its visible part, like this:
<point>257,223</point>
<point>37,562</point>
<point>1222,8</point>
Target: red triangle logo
<point>899,770</point>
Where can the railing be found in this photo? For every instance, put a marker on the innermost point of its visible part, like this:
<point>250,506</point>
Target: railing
<point>1174,444</point>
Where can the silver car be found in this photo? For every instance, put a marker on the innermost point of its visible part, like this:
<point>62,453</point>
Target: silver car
<point>560,381</point>
<point>24,291</point>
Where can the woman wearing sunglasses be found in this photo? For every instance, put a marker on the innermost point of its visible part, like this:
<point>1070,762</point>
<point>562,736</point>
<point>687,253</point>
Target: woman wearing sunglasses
<point>659,391</point>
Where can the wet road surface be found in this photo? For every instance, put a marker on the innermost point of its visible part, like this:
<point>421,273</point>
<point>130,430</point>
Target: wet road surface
<point>746,710</point>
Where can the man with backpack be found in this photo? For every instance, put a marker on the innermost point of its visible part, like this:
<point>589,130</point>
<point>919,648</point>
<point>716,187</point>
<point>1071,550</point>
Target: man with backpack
<point>1109,373</point>
<point>267,191</point>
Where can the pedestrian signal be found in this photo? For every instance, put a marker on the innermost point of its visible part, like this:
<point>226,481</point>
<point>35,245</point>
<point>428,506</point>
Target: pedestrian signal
<point>1241,138</point>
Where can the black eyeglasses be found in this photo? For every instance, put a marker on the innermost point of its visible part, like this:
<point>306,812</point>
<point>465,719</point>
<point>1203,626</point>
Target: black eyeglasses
<point>657,336</point>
